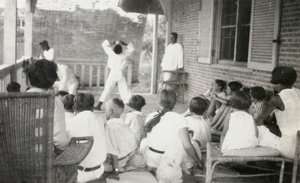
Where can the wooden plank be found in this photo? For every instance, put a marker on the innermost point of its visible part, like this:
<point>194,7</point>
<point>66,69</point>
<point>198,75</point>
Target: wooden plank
<point>90,76</point>
<point>98,76</point>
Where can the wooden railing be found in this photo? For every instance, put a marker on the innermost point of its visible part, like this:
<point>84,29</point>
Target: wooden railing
<point>92,73</point>
<point>6,72</point>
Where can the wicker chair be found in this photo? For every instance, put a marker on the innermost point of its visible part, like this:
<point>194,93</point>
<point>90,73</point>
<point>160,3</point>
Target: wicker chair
<point>214,157</point>
<point>26,149</point>
<point>296,173</point>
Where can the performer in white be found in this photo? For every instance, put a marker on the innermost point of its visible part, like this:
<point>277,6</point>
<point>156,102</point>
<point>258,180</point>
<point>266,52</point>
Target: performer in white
<point>116,63</point>
<point>173,58</point>
<point>67,80</point>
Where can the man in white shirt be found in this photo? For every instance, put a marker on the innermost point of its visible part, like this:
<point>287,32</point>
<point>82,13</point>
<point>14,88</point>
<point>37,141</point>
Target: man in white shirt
<point>48,53</point>
<point>86,123</point>
<point>173,58</point>
<point>116,63</point>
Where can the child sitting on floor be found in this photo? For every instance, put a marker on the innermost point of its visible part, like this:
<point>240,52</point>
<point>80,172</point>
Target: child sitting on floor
<point>217,121</point>
<point>86,123</point>
<point>199,124</point>
<point>68,101</point>
<point>257,94</point>
<point>241,131</point>
<point>136,119</point>
<point>218,88</point>
<point>121,144</point>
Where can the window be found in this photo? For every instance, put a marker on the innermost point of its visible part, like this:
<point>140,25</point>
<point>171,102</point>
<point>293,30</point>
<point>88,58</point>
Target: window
<point>234,30</point>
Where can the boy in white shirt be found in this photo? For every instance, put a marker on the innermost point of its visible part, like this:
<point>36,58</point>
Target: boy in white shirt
<point>121,144</point>
<point>86,123</point>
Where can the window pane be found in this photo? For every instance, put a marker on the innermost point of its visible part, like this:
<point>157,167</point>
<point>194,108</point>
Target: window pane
<point>227,43</point>
<point>242,43</point>
<point>244,12</point>
<point>229,10</point>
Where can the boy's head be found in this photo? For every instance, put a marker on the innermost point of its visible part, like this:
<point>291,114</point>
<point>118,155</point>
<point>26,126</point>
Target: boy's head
<point>174,37</point>
<point>219,85</point>
<point>198,105</point>
<point>240,100</point>
<point>258,93</point>
<point>68,101</point>
<point>83,102</point>
<point>13,87</point>
<point>44,45</point>
<point>167,99</point>
<point>118,49</point>
<point>233,87</point>
<point>42,74</point>
<point>114,108</point>
<point>137,102</point>
<point>284,75</point>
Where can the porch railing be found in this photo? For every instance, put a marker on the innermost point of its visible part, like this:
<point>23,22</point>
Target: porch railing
<point>6,73</point>
<point>92,73</point>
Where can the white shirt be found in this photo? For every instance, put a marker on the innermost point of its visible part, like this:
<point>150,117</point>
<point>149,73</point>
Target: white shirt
<point>136,122</point>
<point>173,57</point>
<point>120,138</point>
<point>86,123</point>
<point>116,62</point>
<point>166,132</point>
<point>49,54</point>
<point>60,138</point>
<point>66,78</point>
<point>241,132</point>
<point>201,127</point>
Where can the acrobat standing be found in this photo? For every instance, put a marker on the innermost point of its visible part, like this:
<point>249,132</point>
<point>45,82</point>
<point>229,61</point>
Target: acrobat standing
<point>116,63</point>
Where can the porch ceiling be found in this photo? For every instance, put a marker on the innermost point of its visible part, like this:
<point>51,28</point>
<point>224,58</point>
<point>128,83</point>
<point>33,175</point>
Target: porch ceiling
<point>141,6</point>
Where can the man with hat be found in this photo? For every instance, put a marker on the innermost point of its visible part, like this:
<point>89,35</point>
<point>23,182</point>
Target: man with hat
<point>286,106</point>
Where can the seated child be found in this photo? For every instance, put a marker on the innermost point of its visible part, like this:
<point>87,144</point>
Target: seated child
<point>42,75</point>
<point>217,88</point>
<point>68,102</point>
<point>241,131</point>
<point>86,123</point>
<point>257,94</point>
<point>121,143</point>
<point>13,87</point>
<point>217,121</point>
<point>136,119</point>
<point>199,124</point>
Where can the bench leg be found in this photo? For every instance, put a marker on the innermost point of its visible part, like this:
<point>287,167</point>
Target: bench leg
<point>281,171</point>
<point>209,172</point>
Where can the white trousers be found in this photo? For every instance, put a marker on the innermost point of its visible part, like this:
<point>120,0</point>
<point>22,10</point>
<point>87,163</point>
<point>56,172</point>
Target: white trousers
<point>112,80</point>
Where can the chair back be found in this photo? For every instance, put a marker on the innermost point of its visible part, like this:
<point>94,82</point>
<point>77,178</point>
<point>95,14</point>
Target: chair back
<point>296,169</point>
<point>26,132</point>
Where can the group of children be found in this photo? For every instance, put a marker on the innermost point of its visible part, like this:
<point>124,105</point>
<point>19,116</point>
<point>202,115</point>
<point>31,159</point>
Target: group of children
<point>235,110</point>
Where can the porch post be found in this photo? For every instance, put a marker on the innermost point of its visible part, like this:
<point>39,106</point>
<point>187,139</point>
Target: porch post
<point>154,57</point>
<point>167,7</point>
<point>10,34</point>
<point>28,29</point>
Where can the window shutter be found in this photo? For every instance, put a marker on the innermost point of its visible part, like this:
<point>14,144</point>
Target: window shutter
<point>205,31</point>
<point>263,53</point>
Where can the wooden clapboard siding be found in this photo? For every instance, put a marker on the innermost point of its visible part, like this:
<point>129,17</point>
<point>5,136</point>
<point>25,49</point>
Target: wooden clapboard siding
<point>205,31</point>
<point>264,29</point>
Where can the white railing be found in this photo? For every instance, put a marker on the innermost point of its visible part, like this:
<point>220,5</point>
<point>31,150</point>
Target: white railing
<point>92,74</point>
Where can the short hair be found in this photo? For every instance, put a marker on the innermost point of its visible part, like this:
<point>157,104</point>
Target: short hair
<point>284,75</point>
<point>13,87</point>
<point>198,105</point>
<point>246,89</point>
<point>44,43</point>
<point>167,99</point>
<point>84,101</point>
<point>118,49</point>
<point>118,102</point>
<point>258,92</point>
<point>235,86</point>
<point>240,100</point>
<point>137,102</point>
<point>68,101</point>
<point>221,83</point>
<point>62,93</point>
<point>42,74</point>
<point>174,34</point>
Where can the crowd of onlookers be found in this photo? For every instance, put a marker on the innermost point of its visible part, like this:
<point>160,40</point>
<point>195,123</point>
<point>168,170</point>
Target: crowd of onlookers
<point>166,141</point>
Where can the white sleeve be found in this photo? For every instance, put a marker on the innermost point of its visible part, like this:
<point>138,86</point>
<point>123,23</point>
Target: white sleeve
<point>106,46</point>
<point>180,57</point>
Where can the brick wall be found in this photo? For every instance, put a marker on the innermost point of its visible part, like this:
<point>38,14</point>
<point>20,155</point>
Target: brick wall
<point>79,34</point>
<point>185,22</point>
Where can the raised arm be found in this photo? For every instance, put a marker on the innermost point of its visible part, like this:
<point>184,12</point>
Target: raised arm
<point>106,45</point>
